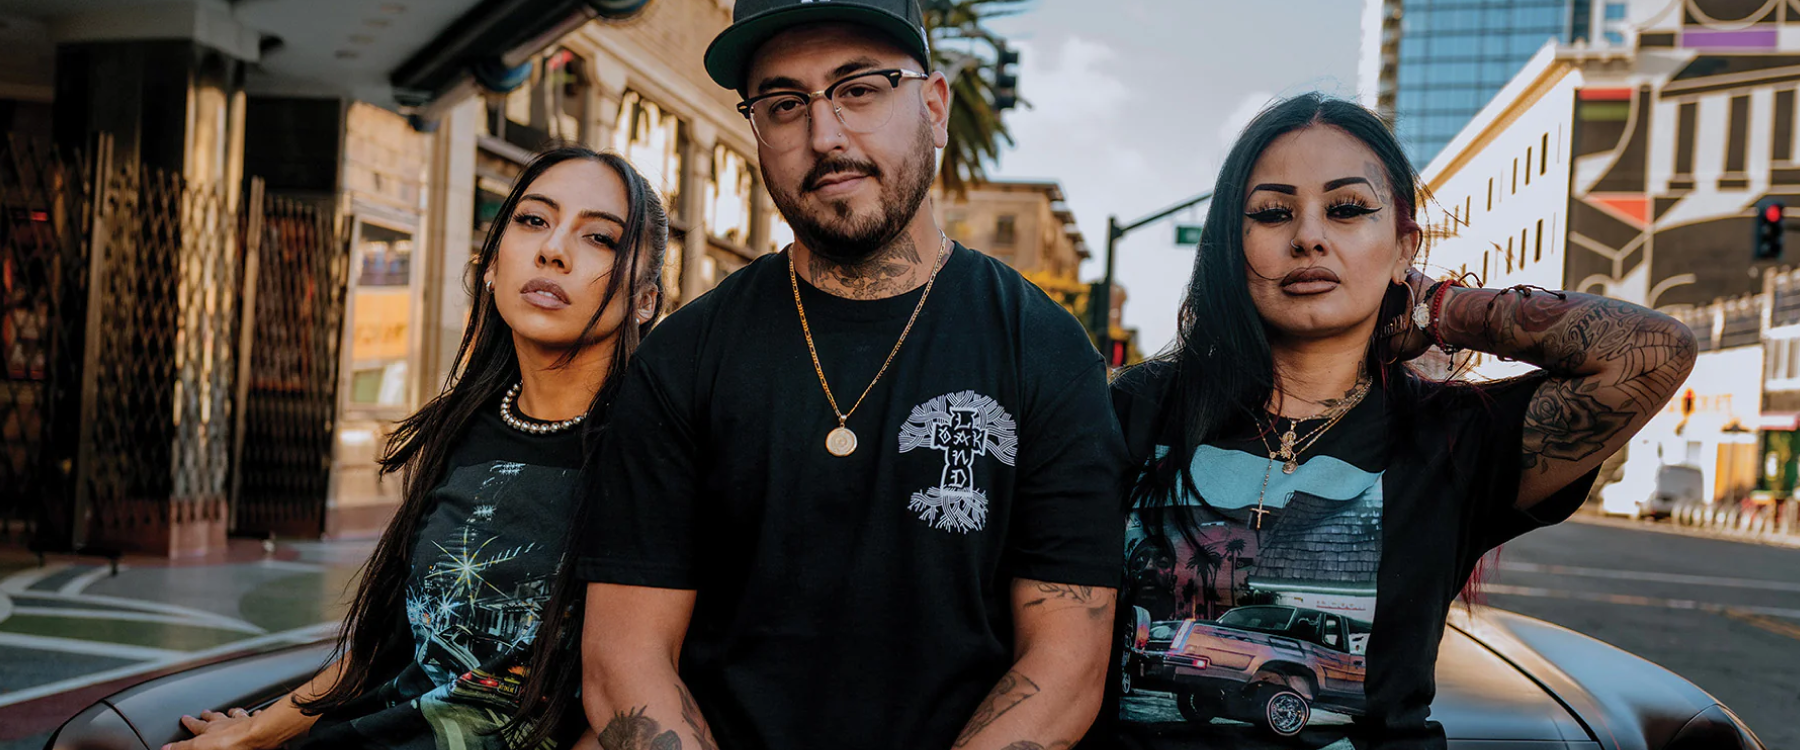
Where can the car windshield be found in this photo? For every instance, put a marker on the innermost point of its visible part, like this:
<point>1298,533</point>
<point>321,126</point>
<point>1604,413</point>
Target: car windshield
<point>1263,619</point>
<point>1164,631</point>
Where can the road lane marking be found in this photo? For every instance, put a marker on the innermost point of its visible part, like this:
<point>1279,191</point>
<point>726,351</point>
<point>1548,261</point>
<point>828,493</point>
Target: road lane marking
<point>1637,575</point>
<point>1766,623</point>
<point>200,616</point>
<point>91,648</point>
<point>136,616</point>
<point>75,585</point>
<point>1636,601</point>
<point>21,581</point>
<point>284,638</point>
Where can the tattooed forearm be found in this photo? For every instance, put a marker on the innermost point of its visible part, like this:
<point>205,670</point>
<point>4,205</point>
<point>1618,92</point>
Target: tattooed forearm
<point>690,713</point>
<point>1613,365</point>
<point>632,730</point>
<point>1013,689</point>
<point>1057,596</point>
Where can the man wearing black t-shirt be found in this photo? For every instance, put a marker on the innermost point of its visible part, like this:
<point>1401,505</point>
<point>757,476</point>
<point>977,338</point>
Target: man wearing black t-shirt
<point>864,494</point>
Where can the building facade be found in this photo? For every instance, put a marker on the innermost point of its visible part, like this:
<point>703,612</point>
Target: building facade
<point>1646,161</point>
<point>1435,63</point>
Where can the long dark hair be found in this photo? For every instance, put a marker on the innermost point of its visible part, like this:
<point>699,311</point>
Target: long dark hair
<point>375,640</point>
<point>1221,366</point>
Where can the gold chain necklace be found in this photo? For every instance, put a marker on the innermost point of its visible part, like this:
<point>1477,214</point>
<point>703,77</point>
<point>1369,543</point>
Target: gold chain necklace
<point>1292,446</point>
<point>841,441</point>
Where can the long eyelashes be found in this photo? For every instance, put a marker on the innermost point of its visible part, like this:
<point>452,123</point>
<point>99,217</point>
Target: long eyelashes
<point>1347,208</point>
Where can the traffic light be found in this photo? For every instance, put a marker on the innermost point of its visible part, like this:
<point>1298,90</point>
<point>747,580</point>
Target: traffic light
<point>1769,215</point>
<point>1116,357</point>
<point>1006,79</point>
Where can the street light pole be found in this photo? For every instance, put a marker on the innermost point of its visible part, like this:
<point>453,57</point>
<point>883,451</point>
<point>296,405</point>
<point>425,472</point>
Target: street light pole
<point>1101,302</point>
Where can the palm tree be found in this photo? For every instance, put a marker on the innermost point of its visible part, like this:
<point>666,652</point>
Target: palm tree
<point>1234,549</point>
<point>966,51</point>
<point>1205,563</point>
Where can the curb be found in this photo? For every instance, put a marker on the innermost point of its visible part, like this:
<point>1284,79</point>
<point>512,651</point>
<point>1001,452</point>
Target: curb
<point>1674,526</point>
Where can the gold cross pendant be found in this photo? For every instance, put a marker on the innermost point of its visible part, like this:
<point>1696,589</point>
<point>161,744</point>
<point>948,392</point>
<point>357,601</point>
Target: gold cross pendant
<point>1260,512</point>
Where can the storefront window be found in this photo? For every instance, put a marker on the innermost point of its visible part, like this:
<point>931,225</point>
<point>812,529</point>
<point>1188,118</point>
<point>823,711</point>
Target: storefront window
<point>653,140</point>
<point>381,322</point>
<point>728,196</point>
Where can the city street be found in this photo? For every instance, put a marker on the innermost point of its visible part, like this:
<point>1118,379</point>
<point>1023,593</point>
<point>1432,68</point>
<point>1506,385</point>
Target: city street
<point>1725,615</point>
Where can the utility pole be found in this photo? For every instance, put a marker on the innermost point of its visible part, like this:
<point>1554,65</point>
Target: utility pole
<point>1100,300</point>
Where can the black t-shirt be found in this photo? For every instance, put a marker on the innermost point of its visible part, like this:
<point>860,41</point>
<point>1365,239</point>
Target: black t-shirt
<point>861,601</point>
<point>482,569</point>
<point>1324,617</point>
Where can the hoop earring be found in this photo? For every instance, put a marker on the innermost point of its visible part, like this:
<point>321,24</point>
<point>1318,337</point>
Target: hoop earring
<point>490,286</point>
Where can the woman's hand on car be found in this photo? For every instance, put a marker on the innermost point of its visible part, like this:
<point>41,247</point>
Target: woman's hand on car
<point>234,729</point>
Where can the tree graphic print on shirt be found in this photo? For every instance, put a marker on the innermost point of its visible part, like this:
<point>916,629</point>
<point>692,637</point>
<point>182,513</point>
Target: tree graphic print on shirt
<point>964,426</point>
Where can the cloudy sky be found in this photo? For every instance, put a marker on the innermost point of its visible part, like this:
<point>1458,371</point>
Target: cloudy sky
<point>1134,103</point>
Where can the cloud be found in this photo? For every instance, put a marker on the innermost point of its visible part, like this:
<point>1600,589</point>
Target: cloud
<point>1247,109</point>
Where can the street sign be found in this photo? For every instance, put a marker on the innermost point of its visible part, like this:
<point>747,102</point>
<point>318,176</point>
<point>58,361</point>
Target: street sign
<point>1187,234</point>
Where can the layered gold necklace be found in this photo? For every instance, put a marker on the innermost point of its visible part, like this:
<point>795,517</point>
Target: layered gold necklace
<point>841,441</point>
<point>1292,444</point>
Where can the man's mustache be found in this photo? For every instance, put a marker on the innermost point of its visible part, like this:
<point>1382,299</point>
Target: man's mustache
<point>837,165</point>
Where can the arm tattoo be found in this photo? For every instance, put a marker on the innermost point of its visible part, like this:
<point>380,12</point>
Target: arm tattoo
<point>1058,596</point>
<point>632,730</point>
<point>690,713</point>
<point>1612,363</point>
<point>1014,688</point>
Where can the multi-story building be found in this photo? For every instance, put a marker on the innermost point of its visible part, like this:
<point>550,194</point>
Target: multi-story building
<point>1646,161</point>
<point>1430,65</point>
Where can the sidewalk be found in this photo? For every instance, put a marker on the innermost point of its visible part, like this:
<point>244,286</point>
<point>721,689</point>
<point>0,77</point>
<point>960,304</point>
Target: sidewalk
<point>1772,539</point>
<point>72,631</point>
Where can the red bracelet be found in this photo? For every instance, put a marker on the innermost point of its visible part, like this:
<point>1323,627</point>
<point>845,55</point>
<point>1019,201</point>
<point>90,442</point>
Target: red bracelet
<point>1437,309</point>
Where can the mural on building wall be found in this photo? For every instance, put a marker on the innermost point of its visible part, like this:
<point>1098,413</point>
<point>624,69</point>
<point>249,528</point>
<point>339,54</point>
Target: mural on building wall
<point>1686,241</point>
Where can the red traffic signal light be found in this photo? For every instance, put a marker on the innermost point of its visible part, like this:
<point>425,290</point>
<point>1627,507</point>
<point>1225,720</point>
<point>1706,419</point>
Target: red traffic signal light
<point>1770,215</point>
<point>1116,357</point>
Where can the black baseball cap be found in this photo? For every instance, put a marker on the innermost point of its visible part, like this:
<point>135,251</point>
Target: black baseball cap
<point>755,21</point>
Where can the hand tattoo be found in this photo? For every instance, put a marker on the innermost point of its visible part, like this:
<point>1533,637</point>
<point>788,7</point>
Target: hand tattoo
<point>632,730</point>
<point>1014,688</point>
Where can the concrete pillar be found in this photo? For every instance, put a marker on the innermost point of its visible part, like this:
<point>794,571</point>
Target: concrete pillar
<point>701,137</point>
<point>449,242</point>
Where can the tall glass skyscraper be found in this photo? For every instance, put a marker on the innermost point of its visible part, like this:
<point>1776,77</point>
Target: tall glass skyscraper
<point>1450,57</point>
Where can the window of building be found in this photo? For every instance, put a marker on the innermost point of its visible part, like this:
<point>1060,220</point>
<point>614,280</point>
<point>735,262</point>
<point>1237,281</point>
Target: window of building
<point>1737,143</point>
<point>1468,214</point>
<point>1615,11</point>
<point>1490,206</point>
<point>1484,268</point>
<point>1781,148</point>
<point>1685,124</point>
<point>1543,154</point>
<point>1006,230</point>
<point>1515,175</point>
<point>728,190</point>
<point>1537,250</point>
<point>1522,235</point>
<point>1509,255</point>
<point>654,141</point>
<point>1527,165</point>
<point>380,318</point>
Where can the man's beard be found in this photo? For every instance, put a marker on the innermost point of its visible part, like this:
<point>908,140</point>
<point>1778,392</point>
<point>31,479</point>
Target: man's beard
<point>834,232</point>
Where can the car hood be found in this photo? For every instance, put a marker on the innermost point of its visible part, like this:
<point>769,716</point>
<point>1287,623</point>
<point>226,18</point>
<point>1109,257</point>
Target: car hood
<point>1628,702</point>
<point>1481,696</point>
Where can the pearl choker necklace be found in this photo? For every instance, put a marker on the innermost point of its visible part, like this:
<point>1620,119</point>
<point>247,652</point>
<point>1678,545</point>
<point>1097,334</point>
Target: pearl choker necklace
<point>526,424</point>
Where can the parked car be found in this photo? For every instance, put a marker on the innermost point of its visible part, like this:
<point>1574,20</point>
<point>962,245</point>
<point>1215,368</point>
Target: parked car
<point>1504,682</point>
<point>1265,664</point>
<point>1668,487</point>
<point>1145,650</point>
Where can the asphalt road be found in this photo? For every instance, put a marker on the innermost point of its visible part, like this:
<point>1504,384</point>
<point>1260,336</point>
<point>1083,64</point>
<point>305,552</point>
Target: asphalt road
<point>1725,615</point>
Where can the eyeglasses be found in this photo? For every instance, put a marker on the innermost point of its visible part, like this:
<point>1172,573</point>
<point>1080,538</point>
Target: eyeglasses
<point>863,103</point>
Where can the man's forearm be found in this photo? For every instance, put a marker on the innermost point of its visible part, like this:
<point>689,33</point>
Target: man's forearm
<point>642,706</point>
<point>1053,692</point>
